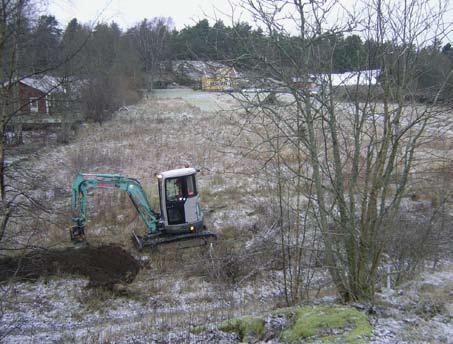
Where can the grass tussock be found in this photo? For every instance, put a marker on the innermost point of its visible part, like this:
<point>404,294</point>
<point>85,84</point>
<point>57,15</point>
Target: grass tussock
<point>244,327</point>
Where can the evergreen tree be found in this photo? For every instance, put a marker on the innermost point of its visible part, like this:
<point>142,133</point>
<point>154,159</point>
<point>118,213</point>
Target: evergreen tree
<point>46,39</point>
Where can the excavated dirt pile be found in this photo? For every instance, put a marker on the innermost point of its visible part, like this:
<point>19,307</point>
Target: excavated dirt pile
<point>105,266</point>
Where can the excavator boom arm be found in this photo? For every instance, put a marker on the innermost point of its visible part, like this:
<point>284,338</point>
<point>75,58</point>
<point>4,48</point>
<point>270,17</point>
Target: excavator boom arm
<point>84,182</point>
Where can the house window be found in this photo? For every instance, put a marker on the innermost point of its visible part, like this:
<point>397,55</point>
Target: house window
<point>48,105</point>
<point>34,104</point>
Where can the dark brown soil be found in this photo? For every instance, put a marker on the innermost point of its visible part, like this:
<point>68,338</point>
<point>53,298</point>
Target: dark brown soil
<point>105,266</point>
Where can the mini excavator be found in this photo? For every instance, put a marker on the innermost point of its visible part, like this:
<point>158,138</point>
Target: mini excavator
<point>180,217</point>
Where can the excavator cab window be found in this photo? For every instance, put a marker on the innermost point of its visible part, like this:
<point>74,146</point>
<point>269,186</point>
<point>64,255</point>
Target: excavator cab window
<point>174,189</point>
<point>191,186</point>
<point>177,190</point>
<point>180,187</point>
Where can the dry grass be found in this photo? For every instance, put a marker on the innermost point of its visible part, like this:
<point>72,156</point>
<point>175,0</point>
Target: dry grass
<point>153,136</point>
<point>156,135</point>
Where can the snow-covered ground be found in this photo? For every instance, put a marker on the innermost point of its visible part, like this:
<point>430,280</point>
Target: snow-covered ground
<point>205,101</point>
<point>419,311</point>
<point>63,310</point>
<point>165,131</point>
<point>167,308</point>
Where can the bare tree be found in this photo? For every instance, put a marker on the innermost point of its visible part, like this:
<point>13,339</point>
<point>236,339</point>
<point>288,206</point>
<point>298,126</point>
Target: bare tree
<point>22,211</point>
<point>150,38</point>
<point>10,22</point>
<point>348,162</point>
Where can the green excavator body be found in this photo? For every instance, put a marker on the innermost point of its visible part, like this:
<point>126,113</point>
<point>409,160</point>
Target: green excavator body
<point>161,228</point>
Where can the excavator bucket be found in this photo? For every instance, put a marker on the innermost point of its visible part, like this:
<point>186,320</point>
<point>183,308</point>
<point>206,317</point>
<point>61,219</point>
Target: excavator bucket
<point>77,234</point>
<point>137,241</point>
<point>183,240</point>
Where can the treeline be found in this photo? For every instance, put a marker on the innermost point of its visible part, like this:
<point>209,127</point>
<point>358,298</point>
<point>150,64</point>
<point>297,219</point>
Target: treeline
<point>45,44</point>
<point>156,38</point>
<point>115,64</point>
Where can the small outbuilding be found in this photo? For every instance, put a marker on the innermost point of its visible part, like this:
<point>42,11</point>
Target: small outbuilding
<point>36,95</point>
<point>348,79</point>
<point>220,79</point>
<point>34,103</point>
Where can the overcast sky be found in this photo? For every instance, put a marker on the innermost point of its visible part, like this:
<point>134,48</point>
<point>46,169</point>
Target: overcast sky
<point>128,12</point>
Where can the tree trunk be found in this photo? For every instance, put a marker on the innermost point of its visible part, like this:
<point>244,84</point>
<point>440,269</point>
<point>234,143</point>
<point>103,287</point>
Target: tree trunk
<point>2,162</point>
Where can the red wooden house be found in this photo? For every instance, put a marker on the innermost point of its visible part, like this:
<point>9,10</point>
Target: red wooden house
<point>36,95</point>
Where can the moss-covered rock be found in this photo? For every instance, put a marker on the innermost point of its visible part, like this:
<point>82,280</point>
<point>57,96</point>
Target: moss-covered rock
<point>244,327</point>
<point>328,323</point>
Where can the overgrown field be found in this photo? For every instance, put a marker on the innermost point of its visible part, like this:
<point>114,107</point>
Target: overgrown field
<point>234,291</point>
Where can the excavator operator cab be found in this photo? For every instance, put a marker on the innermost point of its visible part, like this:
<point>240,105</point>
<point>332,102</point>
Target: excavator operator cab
<point>179,201</point>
